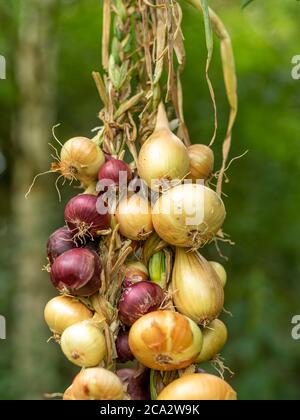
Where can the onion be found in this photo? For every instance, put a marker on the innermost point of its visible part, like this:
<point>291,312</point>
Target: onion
<point>97,384</point>
<point>134,218</point>
<point>107,156</point>
<point>81,160</point>
<point>220,270</point>
<point>198,386</point>
<point>77,272</point>
<point>63,311</point>
<point>137,383</point>
<point>188,215</point>
<point>59,242</point>
<point>122,347</point>
<point>214,339</point>
<point>197,290</point>
<point>139,299</point>
<point>68,394</point>
<point>163,157</point>
<point>82,217</point>
<point>165,340</point>
<point>201,162</point>
<point>113,173</point>
<point>83,344</point>
<point>134,272</point>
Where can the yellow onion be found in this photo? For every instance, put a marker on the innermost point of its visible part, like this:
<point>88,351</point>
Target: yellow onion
<point>163,157</point>
<point>220,270</point>
<point>188,215</point>
<point>135,271</point>
<point>80,159</point>
<point>201,162</point>
<point>198,386</point>
<point>214,339</point>
<point>84,344</point>
<point>68,394</point>
<point>197,290</point>
<point>63,311</point>
<point>165,340</point>
<point>97,384</point>
<point>134,217</point>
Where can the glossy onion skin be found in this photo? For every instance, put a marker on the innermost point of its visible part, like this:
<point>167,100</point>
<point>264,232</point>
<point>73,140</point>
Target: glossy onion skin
<point>198,386</point>
<point>214,339</point>
<point>165,340</point>
<point>111,171</point>
<point>59,242</point>
<point>77,272</point>
<point>201,162</point>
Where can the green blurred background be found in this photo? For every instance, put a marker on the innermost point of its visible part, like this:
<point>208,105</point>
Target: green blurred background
<point>51,48</point>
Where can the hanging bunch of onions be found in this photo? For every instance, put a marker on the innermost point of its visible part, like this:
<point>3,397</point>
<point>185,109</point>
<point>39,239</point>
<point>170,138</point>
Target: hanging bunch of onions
<point>201,162</point>
<point>198,386</point>
<point>197,290</point>
<point>214,339</point>
<point>63,311</point>
<point>83,344</point>
<point>220,270</point>
<point>163,157</point>
<point>165,340</point>
<point>188,215</point>
<point>134,218</point>
<point>97,384</point>
<point>80,159</point>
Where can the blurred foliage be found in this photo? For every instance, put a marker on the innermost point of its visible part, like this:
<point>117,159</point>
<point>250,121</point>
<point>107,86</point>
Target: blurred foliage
<point>263,193</point>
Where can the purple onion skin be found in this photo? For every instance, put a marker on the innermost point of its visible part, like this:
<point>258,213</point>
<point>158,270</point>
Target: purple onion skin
<point>77,272</point>
<point>107,156</point>
<point>138,300</point>
<point>138,387</point>
<point>110,171</point>
<point>82,217</point>
<point>59,242</point>
<point>123,349</point>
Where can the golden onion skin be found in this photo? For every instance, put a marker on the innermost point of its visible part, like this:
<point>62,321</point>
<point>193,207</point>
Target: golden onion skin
<point>165,340</point>
<point>188,215</point>
<point>201,162</point>
<point>197,290</point>
<point>214,339</point>
<point>198,386</point>
<point>220,270</point>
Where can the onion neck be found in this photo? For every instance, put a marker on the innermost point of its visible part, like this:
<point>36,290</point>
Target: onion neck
<point>162,121</point>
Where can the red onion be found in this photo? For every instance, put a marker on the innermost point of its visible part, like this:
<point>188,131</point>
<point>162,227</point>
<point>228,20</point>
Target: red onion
<point>59,242</point>
<point>83,217</point>
<point>137,383</point>
<point>122,346</point>
<point>107,156</point>
<point>113,173</point>
<point>77,272</point>
<point>138,300</point>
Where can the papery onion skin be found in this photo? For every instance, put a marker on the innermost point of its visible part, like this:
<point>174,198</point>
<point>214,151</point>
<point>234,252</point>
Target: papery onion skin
<point>201,162</point>
<point>138,387</point>
<point>59,242</point>
<point>82,217</point>
<point>134,272</point>
<point>188,215</point>
<point>83,344</point>
<point>63,311</point>
<point>97,384</point>
<point>112,170</point>
<point>77,272</point>
<point>123,350</point>
<point>165,340</point>
<point>220,270</point>
<point>81,159</point>
<point>198,386</point>
<point>139,299</point>
<point>134,218</point>
<point>214,339</point>
<point>197,290</point>
<point>68,394</point>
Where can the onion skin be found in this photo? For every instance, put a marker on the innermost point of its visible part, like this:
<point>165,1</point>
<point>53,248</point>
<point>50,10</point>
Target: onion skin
<point>188,215</point>
<point>134,272</point>
<point>59,242</point>
<point>201,162</point>
<point>77,272</point>
<point>134,217</point>
<point>165,340</point>
<point>220,270</point>
<point>198,386</point>
<point>198,292</point>
<point>68,394</point>
<point>214,339</point>
<point>138,300</point>
<point>137,383</point>
<point>63,311</point>
<point>122,347</point>
<point>82,217</point>
<point>111,172</point>
<point>97,384</point>
<point>83,344</point>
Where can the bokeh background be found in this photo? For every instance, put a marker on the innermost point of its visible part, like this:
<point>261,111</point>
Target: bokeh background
<point>51,48</point>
